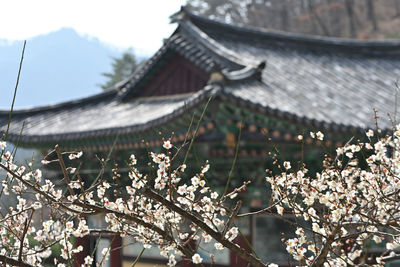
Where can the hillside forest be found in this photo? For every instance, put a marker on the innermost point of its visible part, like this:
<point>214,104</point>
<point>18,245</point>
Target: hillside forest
<point>360,19</point>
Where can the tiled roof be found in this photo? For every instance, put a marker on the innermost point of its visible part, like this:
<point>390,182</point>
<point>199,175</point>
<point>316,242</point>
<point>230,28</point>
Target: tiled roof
<point>331,88</point>
<point>331,83</point>
<point>103,118</point>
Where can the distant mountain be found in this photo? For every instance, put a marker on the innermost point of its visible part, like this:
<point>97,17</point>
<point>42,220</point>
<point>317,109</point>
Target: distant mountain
<point>58,66</point>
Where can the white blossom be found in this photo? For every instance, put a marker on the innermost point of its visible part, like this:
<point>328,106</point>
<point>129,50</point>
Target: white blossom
<point>320,135</point>
<point>197,259</point>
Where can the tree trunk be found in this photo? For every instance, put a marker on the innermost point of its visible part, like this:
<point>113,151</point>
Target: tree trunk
<point>350,13</point>
<point>284,16</point>
<point>314,14</point>
<point>371,14</point>
<point>397,6</point>
<point>330,17</point>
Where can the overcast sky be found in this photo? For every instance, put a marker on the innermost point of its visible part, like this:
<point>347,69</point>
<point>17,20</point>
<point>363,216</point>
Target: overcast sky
<point>119,24</point>
<point>141,24</point>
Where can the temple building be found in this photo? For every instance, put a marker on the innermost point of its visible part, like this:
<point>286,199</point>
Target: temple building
<point>266,86</point>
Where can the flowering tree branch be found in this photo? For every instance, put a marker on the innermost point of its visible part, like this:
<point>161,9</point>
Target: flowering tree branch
<point>7,260</point>
<point>216,235</point>
<point>344,207</point>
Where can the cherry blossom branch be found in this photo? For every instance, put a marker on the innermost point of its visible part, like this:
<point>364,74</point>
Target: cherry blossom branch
<point>216,235</point>
<point>232,217</point>
<point>40,192</point>
<point>391,258</point>
<point>7,260</point>
<point>260,211</point>
<point>185,249</point>
<point>27,223</point>
<point>14,214</point>
<point>321,258</point>
<point>64,170</point>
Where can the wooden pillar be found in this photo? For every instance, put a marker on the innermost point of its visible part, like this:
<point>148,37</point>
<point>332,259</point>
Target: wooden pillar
<point>237,261</point>
<point>188,262</point>
<point>116,251</point>
<point>80,257</point>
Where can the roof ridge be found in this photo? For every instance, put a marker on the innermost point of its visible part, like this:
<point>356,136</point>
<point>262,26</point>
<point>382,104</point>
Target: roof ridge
<point>211,44</point>
<point>186,30</point>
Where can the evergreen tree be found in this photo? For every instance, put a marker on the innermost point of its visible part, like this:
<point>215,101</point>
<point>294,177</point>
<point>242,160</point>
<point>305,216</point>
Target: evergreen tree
<point>121,69</point>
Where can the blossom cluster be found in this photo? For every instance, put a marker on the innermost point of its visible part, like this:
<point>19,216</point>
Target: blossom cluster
<point>156,210</point>
<point>351,204</point>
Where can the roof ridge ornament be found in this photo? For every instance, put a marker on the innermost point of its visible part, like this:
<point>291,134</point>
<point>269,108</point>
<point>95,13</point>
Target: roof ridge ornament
<point>259,69</point>
<point>217,76</point>
<point>182,14</point>
<point>221,76</point>
<point>245,73</point>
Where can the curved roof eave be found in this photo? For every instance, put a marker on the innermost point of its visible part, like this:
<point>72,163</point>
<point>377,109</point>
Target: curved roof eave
<point>215,91</point>
<point>191,103</point>
<point>285,115</point>
<point>109,94</point>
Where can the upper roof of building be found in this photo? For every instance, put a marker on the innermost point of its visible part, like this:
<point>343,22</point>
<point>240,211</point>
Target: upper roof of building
<point>326,82</point>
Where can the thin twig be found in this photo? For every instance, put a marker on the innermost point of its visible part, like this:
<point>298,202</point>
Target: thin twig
<point>260,211</point>
<point>64,170</point>
<point>15,91</point>
<point>197,129</point>
<point>232,217</point>
<point>27,223</point>
<point>138,257</point>
<point>234,160</point>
